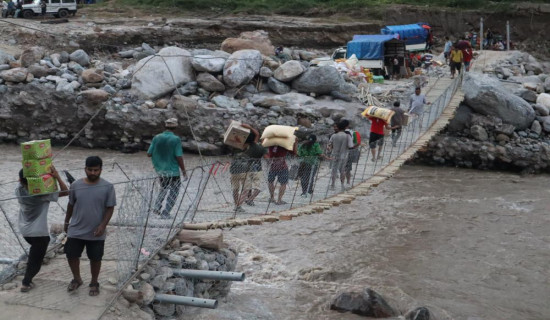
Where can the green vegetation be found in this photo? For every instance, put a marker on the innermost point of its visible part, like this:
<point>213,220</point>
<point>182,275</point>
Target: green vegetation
<point>318,7</point>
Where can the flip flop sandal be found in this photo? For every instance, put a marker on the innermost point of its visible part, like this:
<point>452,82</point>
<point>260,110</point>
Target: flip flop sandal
<point>27,288</point>
<point>73,285</point>
<point>94,289</point>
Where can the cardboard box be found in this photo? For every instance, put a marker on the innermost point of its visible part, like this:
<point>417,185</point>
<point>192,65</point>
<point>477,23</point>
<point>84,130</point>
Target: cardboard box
<point>36,168</point>
<point>36,149</point>
<point>406,118</point>
<point>235,135</point>
<point>43,184</point>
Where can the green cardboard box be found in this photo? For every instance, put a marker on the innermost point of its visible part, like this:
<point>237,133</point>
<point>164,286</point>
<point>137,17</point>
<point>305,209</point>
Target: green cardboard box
<point>36,149</point>
<point>43,184</point>
<point>36,168</point>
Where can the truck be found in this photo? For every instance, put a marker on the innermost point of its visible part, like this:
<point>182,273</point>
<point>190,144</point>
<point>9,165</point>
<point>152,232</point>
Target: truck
<point>58,8</point>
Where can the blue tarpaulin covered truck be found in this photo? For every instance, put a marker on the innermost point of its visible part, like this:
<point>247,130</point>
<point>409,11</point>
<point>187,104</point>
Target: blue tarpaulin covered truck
<point>374,50</point>
<point>415,35</point>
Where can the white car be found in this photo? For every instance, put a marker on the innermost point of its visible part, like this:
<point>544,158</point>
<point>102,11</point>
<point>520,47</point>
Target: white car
<point>59,8</point>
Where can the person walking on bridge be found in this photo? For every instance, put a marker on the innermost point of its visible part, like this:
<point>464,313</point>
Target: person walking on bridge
<point>167,157</point>
<point>456,60</point>
<point>33,224</point>
<point>416,105</point>
<point>92,201</point>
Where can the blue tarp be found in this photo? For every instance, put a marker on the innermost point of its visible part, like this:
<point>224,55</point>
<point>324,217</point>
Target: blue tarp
<point>368,47</point>
<point>414,33</point>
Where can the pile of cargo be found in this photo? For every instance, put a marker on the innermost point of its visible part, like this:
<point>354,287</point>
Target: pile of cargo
<point>37,163</point>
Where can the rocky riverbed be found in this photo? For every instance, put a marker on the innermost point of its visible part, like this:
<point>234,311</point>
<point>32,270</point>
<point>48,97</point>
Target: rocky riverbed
<point>504,121</point>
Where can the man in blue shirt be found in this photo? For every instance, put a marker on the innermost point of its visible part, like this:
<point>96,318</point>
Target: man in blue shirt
<point>167,156</point>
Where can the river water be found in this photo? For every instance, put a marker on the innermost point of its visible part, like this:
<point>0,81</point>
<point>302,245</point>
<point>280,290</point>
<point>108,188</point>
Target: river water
<point>466,244</point>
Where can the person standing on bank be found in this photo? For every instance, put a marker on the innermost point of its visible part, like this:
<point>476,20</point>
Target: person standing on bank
<point>43,7</point>
<point>91,204</point>
<point>167,157</point>
<point>33,224</point>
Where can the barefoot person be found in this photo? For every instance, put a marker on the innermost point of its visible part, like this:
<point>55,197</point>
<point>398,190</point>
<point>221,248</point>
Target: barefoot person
<point>91,204</point>
<point>33,224</point>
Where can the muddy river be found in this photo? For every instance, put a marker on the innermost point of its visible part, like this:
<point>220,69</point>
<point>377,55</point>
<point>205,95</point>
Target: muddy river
<point>466,244</point>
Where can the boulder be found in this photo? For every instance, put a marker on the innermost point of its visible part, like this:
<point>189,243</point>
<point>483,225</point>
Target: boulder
<point>148,293</point>
<point>14,75</point>
<point>208,63</point>
<point>461,120</point>
<point>210,83</point>
<point>367,303</point>
<point>224,102</point>
<point>528,95</point>
<point>257,40</point>
<point>320,80</point>
<point>31,56</point>
<point>536,127</point>
<point>81,57</point>
<point>183,103</point>
<point>479,133</point>
<point>534,66</point>
<point>266,72</point>
<point>547,84</point>
<point>545,122</point>
<point>241,67</point>
<point>206,148</point>
<point>92,75</point>
<point>288,71</point>
<point>277,86</point>
<point>544,100</point>
<point>291,98</point>
<point>160,75</point>
<point>95,95</point>
<point>421,313</point>
<point>38,71</point>
<point>541,110</point>
<point>307,55</point>
<point>5,58</point>
<point>486,96</point>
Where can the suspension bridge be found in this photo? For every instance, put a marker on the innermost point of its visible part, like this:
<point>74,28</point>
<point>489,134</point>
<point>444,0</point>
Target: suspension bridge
<point>205,201</point>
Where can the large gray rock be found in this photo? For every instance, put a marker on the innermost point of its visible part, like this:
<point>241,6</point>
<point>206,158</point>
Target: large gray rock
<point>288,99</point>
<point>461,120</point>
<point>5,58</point>
<point>277,86</point>
<point>288,71</point>
<point>81,57</point>
<point>479,133</point>
<point>367,303</point>
<point>161,74</point>
<point>528,95</point>
<point>241,67</point>
<point>544,100</point>
<point>545,122</point>
<point>486,96</point>
<point>547,84</point>
<point>541,110</point>
<point>266,72</point>
<point>14,75</point>
<point>210,83</point>
<point>208,63</point>
<point>38,71</point>
<point>320,80</point>
<point>31,56</point>
<point>536,127</point>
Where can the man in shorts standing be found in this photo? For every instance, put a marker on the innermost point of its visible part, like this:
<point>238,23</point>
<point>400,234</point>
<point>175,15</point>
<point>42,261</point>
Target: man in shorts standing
<point>91,204</point>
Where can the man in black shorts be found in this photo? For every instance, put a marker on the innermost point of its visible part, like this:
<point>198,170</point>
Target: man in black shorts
<point>91,205</point>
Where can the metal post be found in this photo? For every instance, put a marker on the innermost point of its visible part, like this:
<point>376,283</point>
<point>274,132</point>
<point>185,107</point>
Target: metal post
<point>481,34</point>
<point>213,275</point>
<point>507,35</point>
<point>187,301</point>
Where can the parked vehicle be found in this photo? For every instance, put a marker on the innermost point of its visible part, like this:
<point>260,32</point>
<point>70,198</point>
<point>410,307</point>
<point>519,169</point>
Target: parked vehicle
<point>58,8</point>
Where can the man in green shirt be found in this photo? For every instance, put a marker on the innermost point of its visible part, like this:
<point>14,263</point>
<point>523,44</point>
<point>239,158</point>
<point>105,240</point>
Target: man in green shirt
<point>167,156</point>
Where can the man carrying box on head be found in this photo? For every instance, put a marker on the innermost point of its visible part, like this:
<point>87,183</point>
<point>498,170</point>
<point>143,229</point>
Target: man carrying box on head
<point>92,201</point>
<point>167,156</point>
<point>33,223</point>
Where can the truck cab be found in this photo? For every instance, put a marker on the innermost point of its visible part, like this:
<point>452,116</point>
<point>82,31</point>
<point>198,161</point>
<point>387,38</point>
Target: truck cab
<point>58,8</point>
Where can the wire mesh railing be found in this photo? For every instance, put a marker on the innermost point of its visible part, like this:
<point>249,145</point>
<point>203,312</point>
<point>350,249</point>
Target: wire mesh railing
<point>151,210</point>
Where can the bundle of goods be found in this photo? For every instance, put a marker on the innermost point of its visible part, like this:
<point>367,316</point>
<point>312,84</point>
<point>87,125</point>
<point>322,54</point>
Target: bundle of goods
<point>236,135</point>
<point>377,112</point>
<point>37,165</point>
<point>282,136</point>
